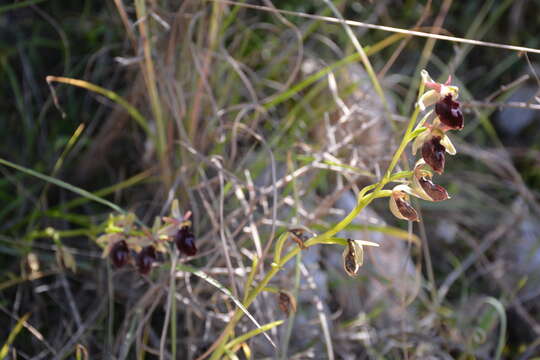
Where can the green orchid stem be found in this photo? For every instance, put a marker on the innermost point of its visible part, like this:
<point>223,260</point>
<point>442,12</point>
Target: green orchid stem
<point>276,266</point>
<point>364,199</point>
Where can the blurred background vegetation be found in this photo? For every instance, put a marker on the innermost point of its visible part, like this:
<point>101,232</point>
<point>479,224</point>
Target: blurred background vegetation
<point>258,121</point>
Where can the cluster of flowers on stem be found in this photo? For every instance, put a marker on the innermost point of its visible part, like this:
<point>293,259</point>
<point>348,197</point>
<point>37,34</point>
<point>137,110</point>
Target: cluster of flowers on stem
<point>433,142</point>
<point>124,242</point>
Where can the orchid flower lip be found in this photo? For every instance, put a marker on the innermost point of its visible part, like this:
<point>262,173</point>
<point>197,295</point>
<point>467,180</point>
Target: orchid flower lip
<point>433,154</point>
<point>120,254</point>
<point>399,205</point>
<point>434,191</point>
<point>424,186</point>
<point>145,258</point>
<point>449,113</point>
<point>353,257</point>
<point>185,241</point>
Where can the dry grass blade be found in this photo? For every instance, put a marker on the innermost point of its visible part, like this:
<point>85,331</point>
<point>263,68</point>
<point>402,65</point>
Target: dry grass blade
<point>227,292</point>
<point>321,312</point>
<point>385,28</point>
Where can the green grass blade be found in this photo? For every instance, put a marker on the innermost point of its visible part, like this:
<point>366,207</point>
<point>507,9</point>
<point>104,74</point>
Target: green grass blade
<point>18,5</point>
<point>111,95</point>
<point>502,314</point>
<point>62,184</point>
<point>369,50</point>
<point>59,211</point>
<point>240,339</point>
<point>12,335</point>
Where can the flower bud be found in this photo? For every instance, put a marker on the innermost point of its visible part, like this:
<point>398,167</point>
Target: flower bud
<point>185,241</point>
<point>299,236</point>
<point>433,154</point>
<point>119,254</point>
<point>145,258</point>
<point>353,257</point>
<point>449,113</point>
<point>286,302</point>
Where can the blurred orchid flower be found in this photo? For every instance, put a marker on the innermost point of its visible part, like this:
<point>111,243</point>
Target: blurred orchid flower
<point>145,258</point>
<point>119,253</point>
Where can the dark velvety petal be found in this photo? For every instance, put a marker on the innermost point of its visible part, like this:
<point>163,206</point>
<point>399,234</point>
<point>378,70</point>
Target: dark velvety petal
<point>185,241</point>
<point>435,192</point>
<point>449,113</point>
<point>145,258</point>
<point>433,154</point>
<point>406,210</point>
<point>119,254</point>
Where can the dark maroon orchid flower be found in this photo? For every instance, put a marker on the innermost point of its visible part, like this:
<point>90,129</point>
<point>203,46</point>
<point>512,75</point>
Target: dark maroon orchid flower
<point>185,241</point>
<point>120,254</point>
<point>449,113</point>
<point>434,191</point>
<point>433,154</point>
<point>145,258</point>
